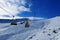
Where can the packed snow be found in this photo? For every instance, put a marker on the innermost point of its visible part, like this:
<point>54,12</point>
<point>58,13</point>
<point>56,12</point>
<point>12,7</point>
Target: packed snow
<point>41,29</point>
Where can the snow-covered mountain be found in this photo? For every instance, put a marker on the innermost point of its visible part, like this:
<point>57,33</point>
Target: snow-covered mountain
<point>51,31</point>
<point>41,29</point>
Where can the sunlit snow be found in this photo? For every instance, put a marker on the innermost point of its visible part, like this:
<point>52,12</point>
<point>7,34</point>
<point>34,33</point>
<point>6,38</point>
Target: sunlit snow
<point>41,29</point>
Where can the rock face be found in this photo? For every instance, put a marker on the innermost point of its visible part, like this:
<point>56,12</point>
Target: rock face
<point>42,29</point>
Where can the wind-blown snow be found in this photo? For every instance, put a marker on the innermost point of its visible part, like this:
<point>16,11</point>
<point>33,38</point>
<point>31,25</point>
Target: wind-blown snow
<point>42,29</point>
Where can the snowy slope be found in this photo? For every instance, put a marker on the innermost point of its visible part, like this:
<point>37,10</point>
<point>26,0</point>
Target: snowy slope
<point>41,29</point>
<point>48,32</point>
<point>19,32</point>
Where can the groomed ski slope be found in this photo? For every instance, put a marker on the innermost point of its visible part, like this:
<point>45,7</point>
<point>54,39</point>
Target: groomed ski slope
<point>39,30</point>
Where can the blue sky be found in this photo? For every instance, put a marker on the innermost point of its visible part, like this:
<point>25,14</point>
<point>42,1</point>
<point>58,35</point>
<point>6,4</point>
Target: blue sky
<point>44,8</point>
<point>39,8</point>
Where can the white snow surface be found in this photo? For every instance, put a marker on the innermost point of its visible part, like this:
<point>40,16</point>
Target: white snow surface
<point>42,29</point>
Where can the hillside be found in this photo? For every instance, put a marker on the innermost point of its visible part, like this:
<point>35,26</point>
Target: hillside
<point>42,29</point>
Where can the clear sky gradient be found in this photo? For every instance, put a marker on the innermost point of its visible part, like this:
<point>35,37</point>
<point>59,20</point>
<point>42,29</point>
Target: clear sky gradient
<point>44,8</point>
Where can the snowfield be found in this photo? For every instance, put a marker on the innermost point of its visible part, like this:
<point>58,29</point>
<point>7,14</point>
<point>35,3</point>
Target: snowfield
<point>42,29</point>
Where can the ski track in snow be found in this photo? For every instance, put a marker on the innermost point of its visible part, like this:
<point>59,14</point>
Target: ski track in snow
<point>46,29</point>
